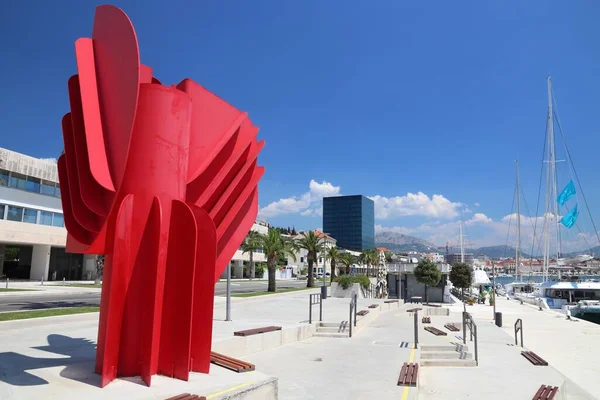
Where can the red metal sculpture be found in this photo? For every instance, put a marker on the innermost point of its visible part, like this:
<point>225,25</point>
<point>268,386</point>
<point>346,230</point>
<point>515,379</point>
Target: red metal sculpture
<point>163,181</point>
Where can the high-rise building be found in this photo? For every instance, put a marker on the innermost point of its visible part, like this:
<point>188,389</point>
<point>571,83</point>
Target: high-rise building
<point>351,221</point>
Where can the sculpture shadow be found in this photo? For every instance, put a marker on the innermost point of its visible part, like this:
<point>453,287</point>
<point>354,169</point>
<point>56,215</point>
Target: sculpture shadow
<point>79,359</point>
<point>33,305</point>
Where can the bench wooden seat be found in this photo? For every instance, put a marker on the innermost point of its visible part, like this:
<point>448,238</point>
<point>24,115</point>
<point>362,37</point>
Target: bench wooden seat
<point>534,358</point>
<point>426,320</point>
<point>451,328</point>
<point>545,393</point>
<point>374,306</point>
<point>414,310</point>
<point>362,313</point>
<point>408,374</point>
<point>187,396</point>
<point>435,331</point>
<point>391,301</point>
<point>230,363</point>
<point>256,331</point>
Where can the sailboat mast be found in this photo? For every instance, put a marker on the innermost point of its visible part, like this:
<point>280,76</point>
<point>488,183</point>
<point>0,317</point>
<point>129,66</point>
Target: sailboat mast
<point>462,248</point>
<point>518,249</point>
<point>552,153</point>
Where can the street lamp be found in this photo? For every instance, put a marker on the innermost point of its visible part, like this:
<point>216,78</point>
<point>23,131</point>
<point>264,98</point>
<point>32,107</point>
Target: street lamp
<point>324,287</point>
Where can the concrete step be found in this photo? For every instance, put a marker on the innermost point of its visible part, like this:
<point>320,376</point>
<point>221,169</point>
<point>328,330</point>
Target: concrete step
<point>336,329</point>
<point>445,347</point>
<point>445,355</point>
<point>332,324</point>
<point>447,363</point>
<point>330,335</point>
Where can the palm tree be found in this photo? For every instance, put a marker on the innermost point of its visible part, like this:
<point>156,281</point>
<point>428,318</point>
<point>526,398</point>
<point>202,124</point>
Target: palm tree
<point>250,245</point>
<point>347,259</point>
<point>369,258</point>
<point>275,246</point>
<point>310,242</point>
<point>333,255</point>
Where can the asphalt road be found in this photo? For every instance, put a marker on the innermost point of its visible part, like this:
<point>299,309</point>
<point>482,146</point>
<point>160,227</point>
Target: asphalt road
<point>53,300</point>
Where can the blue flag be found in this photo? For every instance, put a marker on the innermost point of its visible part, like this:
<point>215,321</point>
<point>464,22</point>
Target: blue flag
<point>568,192</point>
<point>571,217</point>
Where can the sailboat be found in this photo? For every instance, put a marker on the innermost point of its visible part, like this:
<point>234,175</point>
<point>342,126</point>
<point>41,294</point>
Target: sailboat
<point>573,297</point>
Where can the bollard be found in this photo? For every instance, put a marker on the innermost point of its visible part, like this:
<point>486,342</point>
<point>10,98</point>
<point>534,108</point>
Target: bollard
<point>42,281</point>
<point>416,329</point>
<point>7,283</point>
<point>63,281</point>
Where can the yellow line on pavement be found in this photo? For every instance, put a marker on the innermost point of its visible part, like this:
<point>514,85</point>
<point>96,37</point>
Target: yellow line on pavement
<point>407,388</point>
<point>231,389</point>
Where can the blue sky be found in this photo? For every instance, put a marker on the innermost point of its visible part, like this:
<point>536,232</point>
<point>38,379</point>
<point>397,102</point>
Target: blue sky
<point>424,105</point>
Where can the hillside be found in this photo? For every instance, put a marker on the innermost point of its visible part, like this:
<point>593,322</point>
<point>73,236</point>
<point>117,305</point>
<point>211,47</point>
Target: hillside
<point>399,242</point>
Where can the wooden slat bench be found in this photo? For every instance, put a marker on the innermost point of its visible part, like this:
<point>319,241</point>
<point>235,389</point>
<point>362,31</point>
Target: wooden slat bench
<point>534,358</point>
<point>374,306</point>
<point>545,393</point>
<point>426,320</point>
<point>187,396</point>
<point>230,363</point>
<point>256,331</point>
<point>414,310</point>
<point>451,328</point>
<point>408,374</point>
<point>435,331</point>
<point>391,301</point>
<point>362,313</point>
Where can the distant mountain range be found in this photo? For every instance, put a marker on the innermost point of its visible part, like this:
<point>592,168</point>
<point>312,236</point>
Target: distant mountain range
<point>399,242</point>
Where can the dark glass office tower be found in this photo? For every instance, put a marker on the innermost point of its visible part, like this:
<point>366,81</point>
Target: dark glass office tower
<point>351,221</point>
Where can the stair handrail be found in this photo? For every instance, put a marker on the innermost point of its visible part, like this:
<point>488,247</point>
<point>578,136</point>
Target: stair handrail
<point>519,329</point>
<point>469,323</point>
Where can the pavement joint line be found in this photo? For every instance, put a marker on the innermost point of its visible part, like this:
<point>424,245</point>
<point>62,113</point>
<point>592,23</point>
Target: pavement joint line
<point>406,389</point>
<point>231,389</point>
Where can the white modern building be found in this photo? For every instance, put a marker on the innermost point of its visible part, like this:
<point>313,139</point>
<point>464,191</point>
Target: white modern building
<point>32,233</point>
<point>241,259</point>
<point>322,264</point>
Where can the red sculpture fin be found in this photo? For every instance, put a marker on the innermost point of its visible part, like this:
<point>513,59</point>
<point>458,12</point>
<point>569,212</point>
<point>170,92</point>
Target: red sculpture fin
<point>117,59</point>
<point>86,68</point>
<point>204,291</point>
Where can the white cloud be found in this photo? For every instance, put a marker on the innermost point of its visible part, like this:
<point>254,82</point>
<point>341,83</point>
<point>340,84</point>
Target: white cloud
<point>307,204</point>
<point>415,204</point>
<point>476,204</point>
<point>478,218</point>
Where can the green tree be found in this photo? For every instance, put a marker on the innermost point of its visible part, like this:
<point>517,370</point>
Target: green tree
<point>369,258</point>
<point>274,246</point>
<point>347,260</point>
<point>310,242</point>
<point>333,255</point>
<point>428,274</point>
<point>99,268</point>
<point>461,276</point>
<point>12,253</point>
<point>250,245</point>
<point>388,256</point>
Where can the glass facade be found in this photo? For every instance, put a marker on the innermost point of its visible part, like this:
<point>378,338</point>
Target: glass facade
<point>23,182</point>
<point>351,221</point>
<point>30,215</point>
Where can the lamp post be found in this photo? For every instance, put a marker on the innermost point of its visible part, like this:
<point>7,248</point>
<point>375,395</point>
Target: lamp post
<point>324,287</point>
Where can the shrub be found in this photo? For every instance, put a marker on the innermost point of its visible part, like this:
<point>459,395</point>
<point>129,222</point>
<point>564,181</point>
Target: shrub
<point>346,281</point>
<point>259,270</point>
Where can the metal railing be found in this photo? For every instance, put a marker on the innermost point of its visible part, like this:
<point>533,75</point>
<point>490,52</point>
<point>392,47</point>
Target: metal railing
<point>519,329</point>
<point>370,292</point>
<point>470,324</point>
<point>315,299</point>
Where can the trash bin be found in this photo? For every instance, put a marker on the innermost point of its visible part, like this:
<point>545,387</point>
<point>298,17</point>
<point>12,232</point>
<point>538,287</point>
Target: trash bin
<point>499,319</point>
<point>323,292</point>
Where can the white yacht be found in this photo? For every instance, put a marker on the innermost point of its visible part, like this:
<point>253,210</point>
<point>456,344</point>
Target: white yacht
<point>574,297</point>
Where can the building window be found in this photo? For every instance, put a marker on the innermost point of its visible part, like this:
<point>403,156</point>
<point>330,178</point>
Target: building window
<point>45,218</point>
<point>3,177</point>
<point>301,259</point>
<point>32,184</point>
<point>30,216</point>
<point>2,208</point>
<point>17,181</point>
<point>15,213</point>
<point>58,220</point>
<point>57,194</point>
<point>48,188</point>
